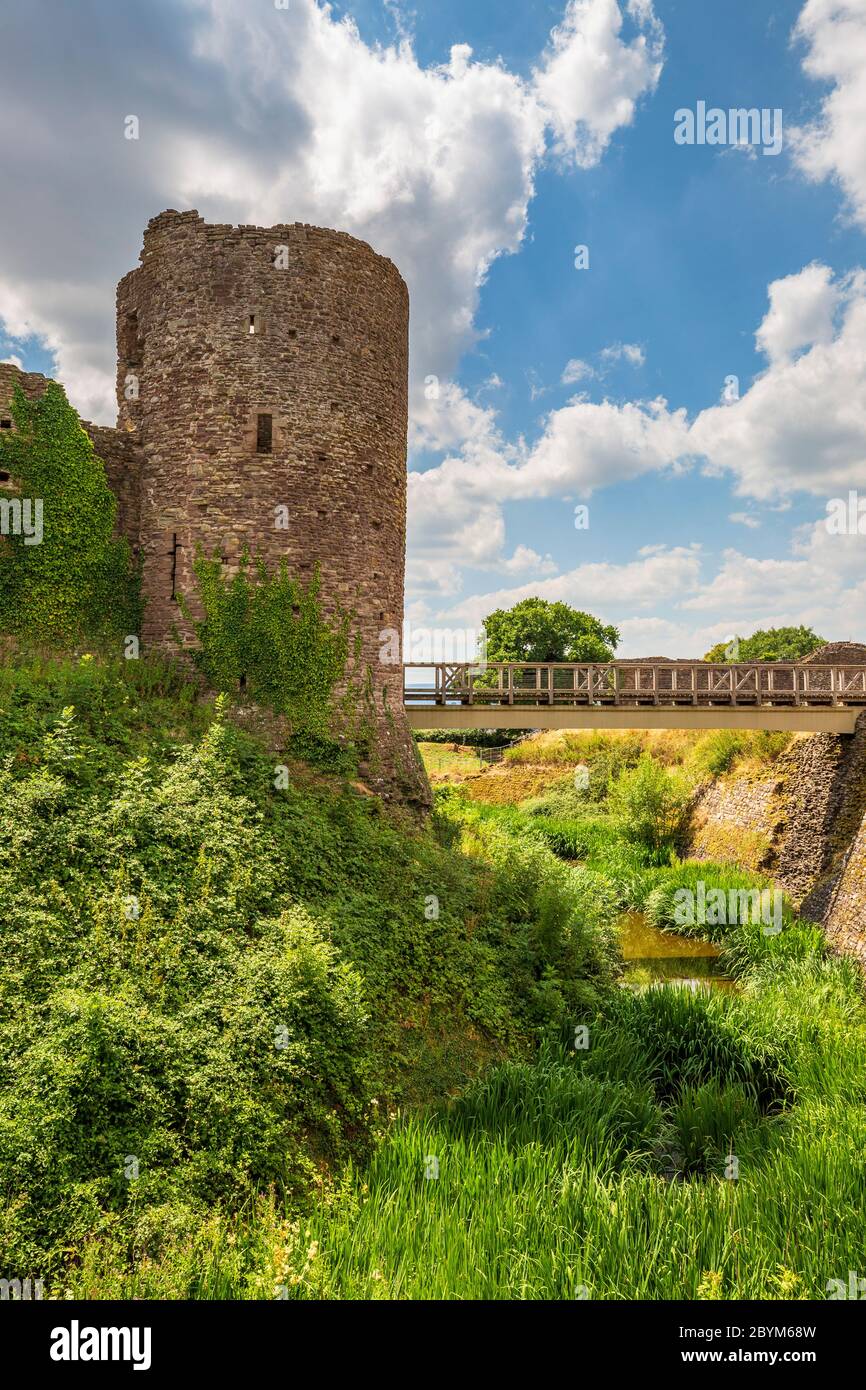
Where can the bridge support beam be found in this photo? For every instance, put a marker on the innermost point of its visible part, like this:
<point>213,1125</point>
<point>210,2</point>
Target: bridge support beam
<point>805,719</point>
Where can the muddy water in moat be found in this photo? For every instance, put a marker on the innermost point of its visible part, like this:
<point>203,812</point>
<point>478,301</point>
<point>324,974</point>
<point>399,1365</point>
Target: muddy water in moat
<point>668,957</point>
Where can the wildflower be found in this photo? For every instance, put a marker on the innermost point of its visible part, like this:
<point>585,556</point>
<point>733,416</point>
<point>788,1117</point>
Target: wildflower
<point>710,1286</point>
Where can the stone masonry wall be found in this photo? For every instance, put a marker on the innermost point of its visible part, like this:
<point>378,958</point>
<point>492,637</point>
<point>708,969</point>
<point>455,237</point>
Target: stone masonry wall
<point>845,922</point>
<point>804,823</point>
<point>223,326</point>
<point>262,385</point>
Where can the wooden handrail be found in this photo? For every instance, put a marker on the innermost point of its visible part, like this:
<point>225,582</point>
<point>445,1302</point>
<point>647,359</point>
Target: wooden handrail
<point>637,682</point>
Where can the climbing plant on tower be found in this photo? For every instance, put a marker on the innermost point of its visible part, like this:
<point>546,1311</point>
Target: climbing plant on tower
<point>265,632</point>
<point>63,574</point>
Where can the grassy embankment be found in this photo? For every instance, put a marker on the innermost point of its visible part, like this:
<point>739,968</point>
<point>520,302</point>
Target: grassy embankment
<point>702,1146</point>
<point>240,1029</point>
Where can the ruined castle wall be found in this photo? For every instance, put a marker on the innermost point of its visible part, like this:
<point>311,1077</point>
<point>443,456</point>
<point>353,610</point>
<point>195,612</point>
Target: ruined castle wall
<point>845,922</point>
<point>804,823</point>
<point>219,329</point>
<point>736,819</point>
<point>118,450</point>
<point>123,461</point>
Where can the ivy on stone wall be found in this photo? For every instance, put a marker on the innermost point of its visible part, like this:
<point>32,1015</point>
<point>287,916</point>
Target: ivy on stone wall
<point>63,575</point>
<point>265,633</point>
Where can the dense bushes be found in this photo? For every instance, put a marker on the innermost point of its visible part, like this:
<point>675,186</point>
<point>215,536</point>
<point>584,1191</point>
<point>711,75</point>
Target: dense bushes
<point>205,982</point>
<point>650,803</point>
<point>700,1146</point>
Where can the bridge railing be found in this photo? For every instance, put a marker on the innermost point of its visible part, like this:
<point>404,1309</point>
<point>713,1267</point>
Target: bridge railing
<point>633,683</point>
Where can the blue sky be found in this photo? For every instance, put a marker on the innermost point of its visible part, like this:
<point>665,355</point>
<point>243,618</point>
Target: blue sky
<point>478,145</point>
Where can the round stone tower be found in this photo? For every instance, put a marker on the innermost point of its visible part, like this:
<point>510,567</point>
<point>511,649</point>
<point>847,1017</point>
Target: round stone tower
<point>263,372</point>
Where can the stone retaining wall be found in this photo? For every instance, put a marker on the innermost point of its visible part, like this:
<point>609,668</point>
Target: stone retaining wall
<point>804,823</point>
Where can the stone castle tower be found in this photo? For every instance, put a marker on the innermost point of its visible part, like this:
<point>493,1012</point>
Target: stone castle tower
<point>262,394</point>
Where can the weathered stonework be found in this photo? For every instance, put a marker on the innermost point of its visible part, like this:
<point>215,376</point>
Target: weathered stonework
<point>736,819</point>
<point>262,393</point>
<point>804,823</point>
<point>845,921</point>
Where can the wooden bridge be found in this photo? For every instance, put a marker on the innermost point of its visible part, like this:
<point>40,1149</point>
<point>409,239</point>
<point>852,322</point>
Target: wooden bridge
<point>635,695</point>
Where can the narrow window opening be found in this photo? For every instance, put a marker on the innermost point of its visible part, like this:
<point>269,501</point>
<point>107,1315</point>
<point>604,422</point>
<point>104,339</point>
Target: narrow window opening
<point>252,323</point>
<point>5,424</point>
<point>173,553</point>
<point>335,339</point>
<point>4,477</point>
<point>242,682</point>
<point>264,434</point>
<point>131,343</point>
<point>293,332</point>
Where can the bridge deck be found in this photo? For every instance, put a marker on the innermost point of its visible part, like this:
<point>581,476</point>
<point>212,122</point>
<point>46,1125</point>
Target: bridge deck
<point>629,695</point>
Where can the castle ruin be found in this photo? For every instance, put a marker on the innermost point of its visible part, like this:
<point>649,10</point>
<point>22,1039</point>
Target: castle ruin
<point>262,406</point>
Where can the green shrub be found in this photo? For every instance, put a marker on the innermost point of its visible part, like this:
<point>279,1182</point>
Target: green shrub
<point>694,1038</point>
<point>719,751</point>
<point>650,802</point>
<point>214,978</point>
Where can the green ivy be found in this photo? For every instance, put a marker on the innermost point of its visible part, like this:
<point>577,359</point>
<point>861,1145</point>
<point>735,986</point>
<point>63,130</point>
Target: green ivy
<point>80,581</point>
<point>264,633</point>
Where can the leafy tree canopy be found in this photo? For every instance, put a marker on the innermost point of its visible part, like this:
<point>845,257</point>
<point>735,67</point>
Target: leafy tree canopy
<point>536,630</point>
<point>770,644</point>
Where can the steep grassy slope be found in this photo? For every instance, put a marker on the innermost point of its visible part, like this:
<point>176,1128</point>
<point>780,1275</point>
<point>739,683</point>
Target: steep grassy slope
<point>211,984</point>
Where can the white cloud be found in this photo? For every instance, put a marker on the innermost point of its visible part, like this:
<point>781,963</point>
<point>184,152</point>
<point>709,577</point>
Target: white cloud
<point>526,559</point>
<point>455,508</point>
<point>834,145</point>
<point>801,426</point>
<point>632,353</point>
<point>658,575</point>
<point>13,360</point>
<point>255,114</point>
<point>576,370</point>
<point>590,80</point>
<point>801,313</point>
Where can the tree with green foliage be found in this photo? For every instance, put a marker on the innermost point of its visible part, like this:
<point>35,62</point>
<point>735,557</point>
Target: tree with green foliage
<point>650,803</point>
<point>768,644</point>
<point>266,634</point>
<point>537,630</point>
<point>70,577</point>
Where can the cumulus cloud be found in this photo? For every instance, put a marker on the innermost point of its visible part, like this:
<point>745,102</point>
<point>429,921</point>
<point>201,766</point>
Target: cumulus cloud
<point>583,446</point>
<point>590,80</point>
<point>801,313</point>
<point>801,426</point>
<point>834,145</point>
<point>525,560</point>
<point>258,114</point>
<point>658,574</point>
